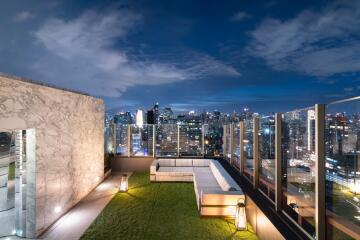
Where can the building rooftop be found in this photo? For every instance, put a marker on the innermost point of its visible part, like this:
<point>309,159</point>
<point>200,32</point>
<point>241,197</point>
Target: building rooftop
<point>6,75</point>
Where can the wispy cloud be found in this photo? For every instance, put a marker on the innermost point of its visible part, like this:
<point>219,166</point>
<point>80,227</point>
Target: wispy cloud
<point>91,51</point>
<point>239,16</point>
<point>23,16</point>
<point>316,43</point>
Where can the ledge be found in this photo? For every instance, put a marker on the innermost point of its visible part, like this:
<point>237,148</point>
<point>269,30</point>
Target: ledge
<point>287,228</point>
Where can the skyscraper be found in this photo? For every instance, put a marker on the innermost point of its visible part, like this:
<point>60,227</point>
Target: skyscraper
<point>139,118</point>
<point>150,117</point>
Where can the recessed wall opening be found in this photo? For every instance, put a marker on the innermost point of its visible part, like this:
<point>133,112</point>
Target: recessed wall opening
<point>17,156</point>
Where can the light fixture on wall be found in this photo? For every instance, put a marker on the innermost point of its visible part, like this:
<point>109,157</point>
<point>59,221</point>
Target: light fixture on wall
<point>57,209</point>
<point>123,183</point>
<point>240,215</point>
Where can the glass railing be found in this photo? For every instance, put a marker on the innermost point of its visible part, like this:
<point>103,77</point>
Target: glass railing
<point>249,149</point>
<point>267,156</point>
<point>213,139</point>
<point>298,162</point>
<point>167,140</point>
<point>236,145</point>
<point>122,140</point>
<point>227,141</point>
<point>170,140</point>
<point>141,140</point>
<point>291,141</point>
<point>342,151</point>
<point>190,140</point>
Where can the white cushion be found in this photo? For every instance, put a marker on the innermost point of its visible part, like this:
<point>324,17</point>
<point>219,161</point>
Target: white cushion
<point>223,178</point>
<point>213,176</point>
<point>202,169</point>
<point>233,185</point>
<point>201,162</point>
<point>183,162</point>
<point>205,180</point>
<point>183,169</point>
<point>168,178</point>
<point>166,162</point>
<point>216,170</point>
<point>166,169</point>
<point>173,174</point>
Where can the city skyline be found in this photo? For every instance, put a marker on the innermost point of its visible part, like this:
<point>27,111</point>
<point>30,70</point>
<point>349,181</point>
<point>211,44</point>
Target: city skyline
<point>188,56</point>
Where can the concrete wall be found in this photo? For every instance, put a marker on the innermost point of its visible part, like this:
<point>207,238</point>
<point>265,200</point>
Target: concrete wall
<point>262,226</point>
<point>131,164</point>
<point>69,140</point>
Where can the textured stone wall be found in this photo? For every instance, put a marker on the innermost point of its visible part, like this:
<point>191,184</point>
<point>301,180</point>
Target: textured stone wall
<point>69,142</point>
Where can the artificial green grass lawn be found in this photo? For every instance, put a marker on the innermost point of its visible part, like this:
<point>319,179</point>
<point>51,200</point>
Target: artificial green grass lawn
<point>159,211</point>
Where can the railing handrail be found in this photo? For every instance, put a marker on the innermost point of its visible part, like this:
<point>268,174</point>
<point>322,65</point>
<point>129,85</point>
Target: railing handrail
<point>344,100</point>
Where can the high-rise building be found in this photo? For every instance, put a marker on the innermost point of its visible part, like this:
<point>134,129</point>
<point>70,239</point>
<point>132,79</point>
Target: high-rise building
<point>166,115</point>
<point>123,118</point>
<point>150,116</point>
<point>190,134</point>
<point>140,118</point>
<point>157,113</point>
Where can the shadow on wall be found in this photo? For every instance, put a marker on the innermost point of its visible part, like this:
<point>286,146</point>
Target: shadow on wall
<point>131,164</point>
<point>260,223</point>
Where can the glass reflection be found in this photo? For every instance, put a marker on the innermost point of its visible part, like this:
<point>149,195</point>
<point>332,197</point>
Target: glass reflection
<point>236,141</point>
<point>190,137</point>
<point>249,149</point>
<point>7,184</point>
<point>298,165</point>
<point>141,140</point>
<point>167,140</point>
<point>342,137</point>
<point>267,156</point>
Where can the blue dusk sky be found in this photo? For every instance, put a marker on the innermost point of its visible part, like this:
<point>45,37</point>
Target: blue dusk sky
<point>188,55</point>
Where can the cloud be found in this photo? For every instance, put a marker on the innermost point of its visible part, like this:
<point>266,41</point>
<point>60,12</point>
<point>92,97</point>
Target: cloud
<point>239,16</point>
<point>315,43</point>
<point>23,16</point>
<point>90,53</point>
<point>270,4</point>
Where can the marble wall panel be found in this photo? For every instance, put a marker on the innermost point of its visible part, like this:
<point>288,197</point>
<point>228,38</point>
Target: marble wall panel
<point>69,141</point>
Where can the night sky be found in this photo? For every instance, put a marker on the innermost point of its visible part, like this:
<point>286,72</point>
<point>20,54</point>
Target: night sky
<point>188,55</point>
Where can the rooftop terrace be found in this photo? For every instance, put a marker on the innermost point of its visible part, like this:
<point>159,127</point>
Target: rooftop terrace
<point>300,167</point>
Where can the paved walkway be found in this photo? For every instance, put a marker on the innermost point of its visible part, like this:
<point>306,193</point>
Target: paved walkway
<point>73,224</point>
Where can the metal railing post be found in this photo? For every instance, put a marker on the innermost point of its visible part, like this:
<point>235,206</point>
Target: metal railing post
<point>320,209</point>
<point>278,192</point>
<point>203,140</point>
<point>242,152</point>
<point>224,141</point>
<point>129,140</point>
<point>154,140</point>
<point>178,140</point>
<point>231,143</point>
<point>114,137</point>
<point>256,152</point>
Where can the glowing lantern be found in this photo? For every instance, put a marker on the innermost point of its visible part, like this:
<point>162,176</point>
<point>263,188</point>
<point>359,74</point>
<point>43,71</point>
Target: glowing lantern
<point>240,215</point>
<point>123,183</point>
